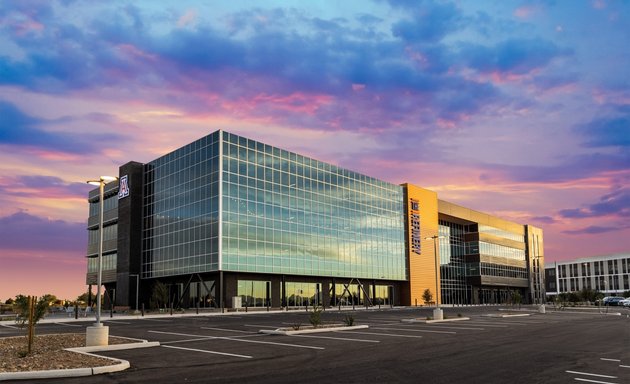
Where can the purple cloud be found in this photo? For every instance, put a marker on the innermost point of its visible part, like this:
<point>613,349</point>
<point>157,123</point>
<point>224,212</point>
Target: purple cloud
<point>515,56</point>
<point>430,23</point>
<point>27,232</point>
<point>608,131</point>
<point>616,203</point>
<point>544,219</point>
<point>271,58</point>
<point>593,230</point>
<point>42,186</point>
<point>20,129</point>
<point>576,167</point>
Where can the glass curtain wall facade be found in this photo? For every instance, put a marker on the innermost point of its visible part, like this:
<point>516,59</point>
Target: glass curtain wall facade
<point>226,217</point>
<point>461,259</point>
<point>181,211</point>
<point>284,213</point>
<point>453,284</point>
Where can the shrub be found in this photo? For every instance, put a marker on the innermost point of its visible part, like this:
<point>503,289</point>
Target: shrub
<point>427,296</point>
<point>348,320</point>
<point>22,306</point>
<point>316,317</point>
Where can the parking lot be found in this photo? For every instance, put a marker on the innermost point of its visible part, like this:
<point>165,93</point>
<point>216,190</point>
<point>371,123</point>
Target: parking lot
<point>555,347</point>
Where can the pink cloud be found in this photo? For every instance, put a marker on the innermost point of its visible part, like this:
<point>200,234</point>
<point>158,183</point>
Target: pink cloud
<point>188,18</point>
<point>525,12</point>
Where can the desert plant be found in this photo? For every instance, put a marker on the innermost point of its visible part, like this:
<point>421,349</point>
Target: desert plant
<point>427,296</point>
<point>316,317</point>
<point>21,307</point>
<point>348,320</point>
<point>296,326</point>
<point>517,298</point>
<point>30,311</point>
<point>159,296</point>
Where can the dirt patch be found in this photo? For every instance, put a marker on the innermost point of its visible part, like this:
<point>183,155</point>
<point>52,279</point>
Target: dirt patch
<point>48,353</point>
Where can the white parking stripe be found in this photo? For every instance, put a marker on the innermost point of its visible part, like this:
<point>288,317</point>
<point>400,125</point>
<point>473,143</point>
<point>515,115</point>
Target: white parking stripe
<point>180,334</point>
<point>239,340</point>
<point>259,326</point>
<point>270,343</point>
<point>227,330</point>
<point>385,334</point>
<point>593,381</point>
<point>591,374</point>
<point>336,338</point>
<point>205,351</point>
<point>445,327</point>
<point>158,320</point>
<point>185,341</point>
<point>9,326</point>
<point>383,322</point>
<point>69,325</point>
<point>491,325</point>
<point>605,359</point>
<point>415,330</point>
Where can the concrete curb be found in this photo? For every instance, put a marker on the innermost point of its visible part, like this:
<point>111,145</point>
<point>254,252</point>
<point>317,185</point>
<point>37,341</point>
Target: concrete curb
<point>434,321</point>
<point>79,372</point>
<point>286,332</point>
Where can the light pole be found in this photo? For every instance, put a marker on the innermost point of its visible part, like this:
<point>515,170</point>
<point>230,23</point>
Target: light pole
<point>98,334</point>
<point>437,312</point>
<point>539,283</point>
<point>137,289</point>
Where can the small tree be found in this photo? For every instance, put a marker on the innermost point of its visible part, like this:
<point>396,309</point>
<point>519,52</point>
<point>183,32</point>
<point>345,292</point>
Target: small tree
<point>84,297</point>
<point>316,317</point>
<point>517,299</point>
<point>30,311</point>
<point>159,295</point>
<point>427,296</point>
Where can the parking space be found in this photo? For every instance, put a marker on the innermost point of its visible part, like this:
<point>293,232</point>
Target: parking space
<point>539,345</point>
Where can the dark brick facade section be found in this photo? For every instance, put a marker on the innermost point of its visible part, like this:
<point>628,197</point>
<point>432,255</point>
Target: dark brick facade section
<point>129,235</point>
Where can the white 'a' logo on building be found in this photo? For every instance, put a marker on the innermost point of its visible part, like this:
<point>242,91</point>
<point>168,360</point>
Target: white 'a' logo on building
<point>123,188</point>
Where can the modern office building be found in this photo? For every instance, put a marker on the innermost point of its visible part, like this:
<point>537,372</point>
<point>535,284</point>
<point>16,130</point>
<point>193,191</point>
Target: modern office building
<point>227,221</point>
<point>609,274</point>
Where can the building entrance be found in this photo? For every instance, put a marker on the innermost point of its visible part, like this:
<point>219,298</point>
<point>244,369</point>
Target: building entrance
<point>254,293</point>
<point>303,294</point>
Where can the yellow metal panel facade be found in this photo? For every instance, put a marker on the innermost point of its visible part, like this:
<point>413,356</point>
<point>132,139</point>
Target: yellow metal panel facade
<point>422,222</point>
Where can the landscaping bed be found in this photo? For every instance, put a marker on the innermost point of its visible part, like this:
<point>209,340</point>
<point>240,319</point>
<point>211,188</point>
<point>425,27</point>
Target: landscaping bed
<point>48,353</point>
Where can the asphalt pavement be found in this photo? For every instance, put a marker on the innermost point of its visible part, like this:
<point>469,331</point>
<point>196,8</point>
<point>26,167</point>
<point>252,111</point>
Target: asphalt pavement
<point>571,345</point>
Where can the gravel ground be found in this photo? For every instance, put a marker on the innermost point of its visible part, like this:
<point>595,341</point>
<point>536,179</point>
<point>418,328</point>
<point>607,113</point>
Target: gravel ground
<point>48,353</point>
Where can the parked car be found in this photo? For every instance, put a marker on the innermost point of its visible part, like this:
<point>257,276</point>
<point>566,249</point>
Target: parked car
<point>604,301</point>
<point>613,301</point>
<point>625,302</point>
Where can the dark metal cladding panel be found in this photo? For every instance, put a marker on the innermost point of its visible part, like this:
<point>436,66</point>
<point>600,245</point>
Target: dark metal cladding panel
<point>129,231</point>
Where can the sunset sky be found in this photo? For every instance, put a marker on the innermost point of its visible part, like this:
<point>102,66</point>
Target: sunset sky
<point>516,108</point>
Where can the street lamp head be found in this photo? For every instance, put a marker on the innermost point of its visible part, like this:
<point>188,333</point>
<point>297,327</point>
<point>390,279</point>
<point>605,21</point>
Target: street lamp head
<point>103,179</point>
